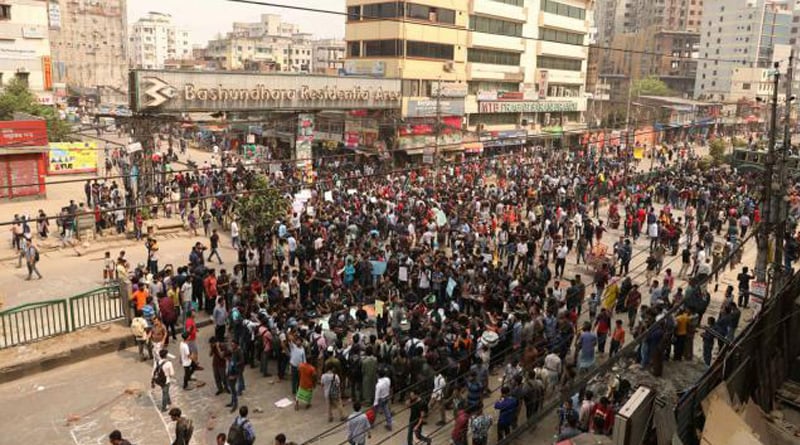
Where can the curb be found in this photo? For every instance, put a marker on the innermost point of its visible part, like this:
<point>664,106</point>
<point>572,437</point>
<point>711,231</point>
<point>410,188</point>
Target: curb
<point>74,355</point>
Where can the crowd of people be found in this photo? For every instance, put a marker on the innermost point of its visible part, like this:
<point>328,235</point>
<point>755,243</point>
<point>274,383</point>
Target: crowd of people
<point>413,287</point>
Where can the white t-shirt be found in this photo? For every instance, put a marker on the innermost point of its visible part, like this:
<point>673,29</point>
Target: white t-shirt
<point>234,229</point>
<point>186,359</point>
<point>169,370</point>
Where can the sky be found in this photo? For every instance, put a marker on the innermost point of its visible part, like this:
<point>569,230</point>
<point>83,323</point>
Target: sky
<point>204,19</point>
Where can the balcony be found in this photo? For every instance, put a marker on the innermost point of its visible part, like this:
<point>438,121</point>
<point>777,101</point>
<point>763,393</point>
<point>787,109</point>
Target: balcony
<point>497,9</point>
<point>494,41</point>
<point>495,72</point>
<point>559,21</point>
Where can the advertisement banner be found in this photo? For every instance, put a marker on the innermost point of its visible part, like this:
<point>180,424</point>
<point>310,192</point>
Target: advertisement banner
<point>449,89</point>
<point>54,15</point>
<point>304,138</point>
<point>72,157</point>
<point>47,72</point>
<point>374,68</point>
<point>543,78</point>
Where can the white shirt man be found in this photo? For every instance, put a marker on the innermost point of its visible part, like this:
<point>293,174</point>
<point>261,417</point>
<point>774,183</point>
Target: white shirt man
<point>234,229</point>
<point>382,390</point>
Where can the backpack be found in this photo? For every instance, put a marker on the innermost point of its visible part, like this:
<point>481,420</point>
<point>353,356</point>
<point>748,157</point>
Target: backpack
<point>159,376</point>
<point>354,364</point>
<point>237,434</point>
<point>335,389</point>
<point>599,420</point>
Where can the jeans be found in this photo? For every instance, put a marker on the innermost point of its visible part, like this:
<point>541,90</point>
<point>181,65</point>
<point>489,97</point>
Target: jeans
<point>383,407</point>
<point>645,352</point>
<point>234,394</point>
<point>31,269</point>
<point>264,362</point>
<point>416,432</point>
<point>214,251</point>
<point>187,375</point>
<point>601,343</point>
<point>503,431</point>
<point>165,400</point>
<point>295,379</point>
<point>708,349</point>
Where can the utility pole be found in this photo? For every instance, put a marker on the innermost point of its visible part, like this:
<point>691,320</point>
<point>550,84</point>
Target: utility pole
<point>628,149</point>
<point>779,194</point>
<point>763,236</point>
<point>438,131</point>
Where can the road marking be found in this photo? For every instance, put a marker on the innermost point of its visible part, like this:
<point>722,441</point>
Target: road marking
<point>158,413</point>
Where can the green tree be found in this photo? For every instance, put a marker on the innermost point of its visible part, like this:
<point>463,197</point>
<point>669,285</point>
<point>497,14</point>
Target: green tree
<point>716,149</point>
<point>16,97</point>
<point>650,86</point>
<point>258,210</point>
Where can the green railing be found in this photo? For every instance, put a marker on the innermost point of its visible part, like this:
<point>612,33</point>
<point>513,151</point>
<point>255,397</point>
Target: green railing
<point>36,321</point>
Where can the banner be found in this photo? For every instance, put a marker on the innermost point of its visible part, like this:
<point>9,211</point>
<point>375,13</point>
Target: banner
<point>72,157</point>
<point>638,152</point>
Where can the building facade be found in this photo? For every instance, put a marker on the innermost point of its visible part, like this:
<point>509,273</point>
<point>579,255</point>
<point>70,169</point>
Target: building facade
<point>268,45</point>
<point>25,46</point>
<point>756,34</point>
<point>154,39</point>
<point>328,55</point>
<point>88,43</point>
<point>476,65</point>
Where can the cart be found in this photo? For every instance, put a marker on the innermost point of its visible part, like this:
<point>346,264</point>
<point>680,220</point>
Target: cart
<point>597,256</point>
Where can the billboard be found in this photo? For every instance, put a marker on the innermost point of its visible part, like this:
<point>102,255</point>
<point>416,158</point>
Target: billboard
<point>23,134</point>
<point>180,91</point>
<point>72,157</point>
<point>427,108</point>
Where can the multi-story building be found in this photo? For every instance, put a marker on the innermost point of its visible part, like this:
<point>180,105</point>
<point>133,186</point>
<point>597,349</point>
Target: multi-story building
<point>25,47</point>
<point>514,66</point>
<point>328,55</point>
<point>154,39</point>
<point>88,42</point>
<point>268,45</point>
<point>650,38</point>
<point>738,46</point>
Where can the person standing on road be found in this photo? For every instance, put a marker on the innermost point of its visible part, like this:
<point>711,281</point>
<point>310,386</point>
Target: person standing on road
<point>383,397</point>
<point>163,375</point>
<point>214,243</point>
<point>241,431</point>
<point>183,427</point>
<point>220,319</point>
<point>358,426</point>
<point>235,241</point>
<point>186,361</point>
<point>417,417</point>
<point>332,390</point>
<point>32,258</point>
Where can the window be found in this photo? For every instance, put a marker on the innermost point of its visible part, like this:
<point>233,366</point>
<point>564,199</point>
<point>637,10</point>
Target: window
<point>354,13</point>
<point>353,49</point>
<point>410,88</point>
<point>430,13</point>
<point>552,35</point>
<point>495,26</point>
<point>429,50</point>
<point>563,10</point>
<point>511,2</point>
<point>557,63</point>
<point>383,48</point>
<point>22,77</point>
<point>476,85</point>
<point>493,57</point>
<point>745,86</point>
<point>382,10</point>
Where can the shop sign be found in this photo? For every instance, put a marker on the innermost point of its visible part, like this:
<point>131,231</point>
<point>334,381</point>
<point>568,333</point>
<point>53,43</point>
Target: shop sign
<point>180,91</point>
<point>504,138</point>
<point>527,107</point>
<point>543,78</point>
<point>23,133</point>
<point>449,89</point>
<point>304,137</point>
<point>374,68</point>
<point>427,108</point>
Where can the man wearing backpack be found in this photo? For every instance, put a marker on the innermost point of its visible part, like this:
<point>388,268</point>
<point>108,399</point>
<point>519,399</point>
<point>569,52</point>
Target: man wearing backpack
<point>163,373</point>
<point>241,431</point>
<point>332,389</point>
<point>32,258</point>
<point>183,427</point>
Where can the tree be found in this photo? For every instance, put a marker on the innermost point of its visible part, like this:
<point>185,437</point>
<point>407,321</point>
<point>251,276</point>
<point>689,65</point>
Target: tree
<point>650,86</point>
<point>258,210</point>
<point>716,149</point>
<point>16,97</point>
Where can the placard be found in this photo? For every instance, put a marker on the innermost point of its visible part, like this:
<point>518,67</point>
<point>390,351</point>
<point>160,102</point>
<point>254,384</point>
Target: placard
<point>72,157</point>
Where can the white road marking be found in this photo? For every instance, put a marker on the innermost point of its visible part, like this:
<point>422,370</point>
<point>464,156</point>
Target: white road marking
<point>158,413</point>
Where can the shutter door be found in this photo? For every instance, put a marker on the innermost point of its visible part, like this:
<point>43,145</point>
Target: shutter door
<point>4,176</point>
<point>23,171</point>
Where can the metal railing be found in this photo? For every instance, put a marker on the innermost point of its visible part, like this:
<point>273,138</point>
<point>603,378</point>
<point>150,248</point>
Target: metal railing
<point>36,321</point>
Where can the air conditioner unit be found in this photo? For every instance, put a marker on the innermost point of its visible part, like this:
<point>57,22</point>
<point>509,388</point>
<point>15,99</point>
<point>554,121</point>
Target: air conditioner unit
<point>449,67</point>
<point>633,419</point>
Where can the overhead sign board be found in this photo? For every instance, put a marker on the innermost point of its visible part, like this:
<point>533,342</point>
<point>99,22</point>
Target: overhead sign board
<point>181,91</point>
<point>449,89</point>
<point>374,68</point>
<point>427,108</point>
<point>527,107</point>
